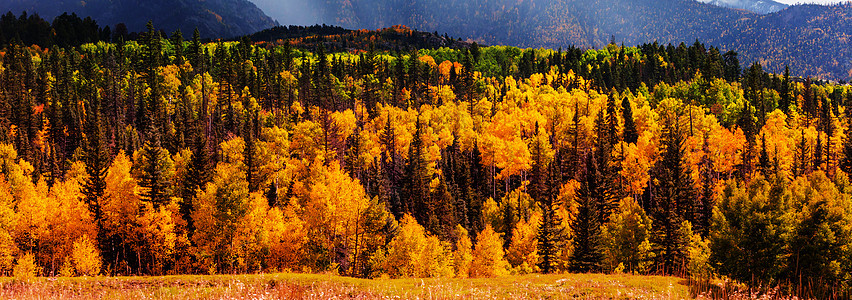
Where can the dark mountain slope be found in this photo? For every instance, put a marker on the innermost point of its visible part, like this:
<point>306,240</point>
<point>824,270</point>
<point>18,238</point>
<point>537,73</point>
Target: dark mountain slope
<point>813,39</point>
<point>214,18</point>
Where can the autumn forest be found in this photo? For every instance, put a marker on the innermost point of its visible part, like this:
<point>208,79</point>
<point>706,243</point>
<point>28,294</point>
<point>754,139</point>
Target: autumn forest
<point>161,155</point>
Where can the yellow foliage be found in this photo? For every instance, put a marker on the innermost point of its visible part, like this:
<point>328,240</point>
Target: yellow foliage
<point>463,255</point>
<point>287,235</point>
<point>156,234</point>
<point>523,249</point>
<point>86,257</point>
<point>120,202</point>
<point>413,253</point>
<point>26,268</point>
<point>488,257</point>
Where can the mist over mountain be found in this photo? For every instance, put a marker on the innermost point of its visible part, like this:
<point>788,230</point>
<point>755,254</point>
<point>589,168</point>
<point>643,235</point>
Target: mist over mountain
<point>813,39</point>
<point>757,6</point>
<point>213,18</point>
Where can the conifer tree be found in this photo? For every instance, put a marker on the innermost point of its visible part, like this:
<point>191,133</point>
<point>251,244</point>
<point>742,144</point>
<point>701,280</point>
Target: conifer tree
<point>586,256</point>
<point>630,135</point>
<point>154,182</point>
<point>845,163</point>
<point>97,161</point>
<point>416,182</point>
<point>673,202</point>
<point>802,157</point>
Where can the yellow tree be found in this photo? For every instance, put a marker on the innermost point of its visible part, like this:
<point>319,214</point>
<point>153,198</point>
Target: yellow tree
<point>334,210</point>
<point>413,253</point>
<point>488,256</point>
<point>463,256</point>
<point>523,252</point>
<point>8,222</point>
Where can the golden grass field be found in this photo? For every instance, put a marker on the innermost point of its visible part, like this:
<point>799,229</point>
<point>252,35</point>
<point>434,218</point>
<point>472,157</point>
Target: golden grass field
<point>319,286</point>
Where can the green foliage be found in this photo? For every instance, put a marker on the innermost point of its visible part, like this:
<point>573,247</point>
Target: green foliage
<point>748,229</point>
<point>626,239</point>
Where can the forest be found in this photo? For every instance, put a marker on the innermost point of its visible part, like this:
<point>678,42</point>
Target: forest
<point>170,156</point>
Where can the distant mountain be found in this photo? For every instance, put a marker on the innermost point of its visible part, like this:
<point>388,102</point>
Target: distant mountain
<point>213,18</point>
<point>757,6</point>
<point>338,39</point>
<point>814,40</point>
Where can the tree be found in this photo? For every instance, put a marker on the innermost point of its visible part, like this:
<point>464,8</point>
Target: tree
<point>522,253</point>
<point>630,135</point>
<point>586,256</point>
<point>155,168</point>
<point>626,239</point>
<point>821,233</point>
<point>86,257</point>
<point>97,160</point>
<point>673,202</point>
<point>462,256</point>
<point>550,238</point>
<point>413,253</point>
<point>488,255</point>
<point>747,231</point>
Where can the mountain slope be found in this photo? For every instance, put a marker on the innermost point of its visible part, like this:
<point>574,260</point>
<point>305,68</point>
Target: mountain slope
<point>214,18</point>
<point>813,39</point>
<point>757,6</point>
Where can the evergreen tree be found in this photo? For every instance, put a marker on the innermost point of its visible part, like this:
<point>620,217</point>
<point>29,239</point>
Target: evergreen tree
<point>764,157</point>
<point>630,134</point>
<point>586,255</point>
<point>785,101</point>
<point>673,202</point>
<point>154,182</point>
<point>97,161</point>
<point>802,157</point>
<point>416,200</point>
<point>846,161</point>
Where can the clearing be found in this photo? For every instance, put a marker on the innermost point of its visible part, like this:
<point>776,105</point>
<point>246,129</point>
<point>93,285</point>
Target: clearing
<point>322,286</point>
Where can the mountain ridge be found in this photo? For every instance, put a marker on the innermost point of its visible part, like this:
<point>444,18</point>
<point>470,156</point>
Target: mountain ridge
<point>213,18</point>
<point>812,39</point>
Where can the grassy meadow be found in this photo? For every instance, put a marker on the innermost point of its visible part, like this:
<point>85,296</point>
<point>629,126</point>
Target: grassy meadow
<point>319,286</point>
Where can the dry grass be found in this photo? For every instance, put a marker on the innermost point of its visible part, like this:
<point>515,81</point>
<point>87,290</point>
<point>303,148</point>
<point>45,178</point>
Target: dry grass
<point>313,286</point>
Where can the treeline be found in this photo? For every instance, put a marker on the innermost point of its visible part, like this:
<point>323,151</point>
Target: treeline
<point>167,156</point>
<point>64,31</point>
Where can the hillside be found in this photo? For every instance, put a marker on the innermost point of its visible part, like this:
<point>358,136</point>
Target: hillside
<point>757,6</point>
<point>810,38</point>
<point>213,18</point>
<point>339,39</point>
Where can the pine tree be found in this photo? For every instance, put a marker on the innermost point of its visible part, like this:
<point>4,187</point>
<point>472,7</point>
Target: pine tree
<point>97,161</point>
<point>818,154</point>
<point>630,134</point>
<point>764,157</point>
<point>785,102</point>
<point>549,237</point>
<point>155,184</point>
<point>673,202</point>
<point>845,163</point>
<point>416,182</point>
<point>802,157</point>
<point>586,256</point>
